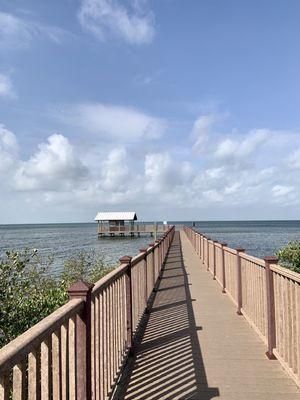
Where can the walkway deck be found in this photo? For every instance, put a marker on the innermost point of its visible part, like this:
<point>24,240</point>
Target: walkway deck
<point>196,347</point>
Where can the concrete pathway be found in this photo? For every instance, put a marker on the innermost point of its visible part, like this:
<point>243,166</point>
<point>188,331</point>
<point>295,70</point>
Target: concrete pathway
<point>195,346</point>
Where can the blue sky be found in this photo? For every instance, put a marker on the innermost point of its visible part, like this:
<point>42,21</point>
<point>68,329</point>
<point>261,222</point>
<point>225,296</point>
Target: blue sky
<point>178,110</point>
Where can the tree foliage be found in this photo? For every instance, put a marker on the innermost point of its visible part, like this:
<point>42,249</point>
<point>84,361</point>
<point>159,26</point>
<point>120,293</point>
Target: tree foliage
<point>29,293</point>
<point>289,256</point>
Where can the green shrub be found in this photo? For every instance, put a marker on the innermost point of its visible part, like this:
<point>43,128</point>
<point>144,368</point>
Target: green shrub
<point>289,256</point>
<point>29,293</point>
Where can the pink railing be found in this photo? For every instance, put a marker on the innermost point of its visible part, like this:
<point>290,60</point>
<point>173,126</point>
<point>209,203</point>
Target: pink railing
<point>79,351</point>
<point>267,295</point>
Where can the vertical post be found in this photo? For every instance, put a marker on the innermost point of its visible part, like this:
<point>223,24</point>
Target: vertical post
<point>215,258</point>
<point>128,288</point>
<point>200,246</point>
<point>144,252</point>
<point>153,265</point>
<point>83,379</point>
<point>223,268</point>
<point>239,280</point>
<point>207,244</point>
<point>158,257</point>
<point>270,306</point>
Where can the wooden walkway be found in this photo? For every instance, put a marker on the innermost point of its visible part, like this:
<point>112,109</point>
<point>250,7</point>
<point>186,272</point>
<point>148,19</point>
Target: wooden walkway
<point>195,346</point>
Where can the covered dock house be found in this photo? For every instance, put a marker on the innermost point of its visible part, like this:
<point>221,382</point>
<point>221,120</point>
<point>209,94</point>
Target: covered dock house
<point>123,223</point>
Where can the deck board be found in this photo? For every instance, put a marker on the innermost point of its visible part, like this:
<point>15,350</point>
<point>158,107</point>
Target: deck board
<point>195,346</point>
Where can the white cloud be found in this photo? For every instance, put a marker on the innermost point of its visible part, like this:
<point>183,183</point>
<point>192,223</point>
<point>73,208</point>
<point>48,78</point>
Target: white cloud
<point>6,86</point>
<point>282,190</point>
<point>130,22</point>
<point>63,175</point>
<point>293,159</point>
<point>16,32</point>
<point>111,122</point>
<point>213,196</point>
<point>163,174</point>
<point>53,167</point>
<point>115,173</point>
<point>201,129</point>
<point>8,149</point>
<point>232,149</point>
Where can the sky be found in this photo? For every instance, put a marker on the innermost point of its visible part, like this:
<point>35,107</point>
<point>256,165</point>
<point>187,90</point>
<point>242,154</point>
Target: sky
<point>176,110</point>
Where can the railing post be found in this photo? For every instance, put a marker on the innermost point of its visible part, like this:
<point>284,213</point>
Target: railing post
<point>223,268</point>
<point>163,249</point>
<point>207,244</point>
<point>239,281</point>
<point>215,259</point>
<point>144,252</point>
<point>128,288</point>
<point>153,265</point>
<point>200,246</point>
<point>270,306</point>
<point>83,379</point>
<point>158,257</point>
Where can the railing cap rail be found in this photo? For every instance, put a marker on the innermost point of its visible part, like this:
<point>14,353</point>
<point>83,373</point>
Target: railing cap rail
<point>287,273</point>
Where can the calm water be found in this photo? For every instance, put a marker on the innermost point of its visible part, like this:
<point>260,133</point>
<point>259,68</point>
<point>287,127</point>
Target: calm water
<point>63,240</point>
<point>259,238</point>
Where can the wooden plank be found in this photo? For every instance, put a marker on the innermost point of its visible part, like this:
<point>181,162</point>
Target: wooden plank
<point>33,375</point>
<point>56,375</point>
<point>4,386</point>
<point>19,381</point>
<point>72,359</point>
<point>64,361</point>
<point>45,371</point>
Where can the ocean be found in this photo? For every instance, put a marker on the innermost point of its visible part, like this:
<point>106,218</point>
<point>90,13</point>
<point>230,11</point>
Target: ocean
<point>259,238</point>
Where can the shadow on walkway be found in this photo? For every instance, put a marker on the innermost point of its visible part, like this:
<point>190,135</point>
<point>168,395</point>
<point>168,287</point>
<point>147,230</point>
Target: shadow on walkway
<point>168,362</point>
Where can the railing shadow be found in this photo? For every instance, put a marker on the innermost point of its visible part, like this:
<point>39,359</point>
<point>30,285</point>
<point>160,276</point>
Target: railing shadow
<point>168,362</point>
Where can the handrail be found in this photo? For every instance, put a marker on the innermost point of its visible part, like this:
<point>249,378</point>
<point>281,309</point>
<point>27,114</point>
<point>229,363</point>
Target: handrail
<point>80,350</point>
<point>266,294</point>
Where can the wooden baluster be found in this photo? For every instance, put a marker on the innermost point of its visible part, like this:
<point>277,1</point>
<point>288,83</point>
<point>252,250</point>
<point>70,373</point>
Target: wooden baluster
<point>4,386</point>
<point>64,359</point>
<point>45,371</point>
<point>32,375</point>
<point>56,373</point>
<point>270,306</point>
<point>72,358</point>
<point>19,387</point>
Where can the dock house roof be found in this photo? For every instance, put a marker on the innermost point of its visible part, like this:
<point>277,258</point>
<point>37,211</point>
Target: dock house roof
<point>116,216</point>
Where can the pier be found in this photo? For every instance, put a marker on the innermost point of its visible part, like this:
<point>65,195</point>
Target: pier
<point>187,318</point>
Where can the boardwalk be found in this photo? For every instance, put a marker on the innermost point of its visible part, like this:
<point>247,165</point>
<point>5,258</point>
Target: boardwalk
<point>196,347</point>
